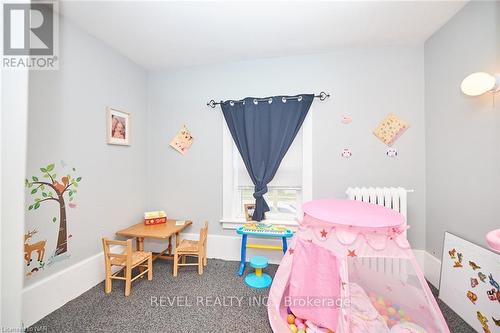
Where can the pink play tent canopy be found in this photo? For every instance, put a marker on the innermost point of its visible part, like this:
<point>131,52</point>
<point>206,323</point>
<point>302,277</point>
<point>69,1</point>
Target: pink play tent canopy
<point>350,268</point>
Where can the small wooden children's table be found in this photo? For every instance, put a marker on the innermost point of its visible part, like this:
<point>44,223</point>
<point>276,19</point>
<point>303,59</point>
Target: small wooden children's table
<point>265,231</point>
<point>140,231</point>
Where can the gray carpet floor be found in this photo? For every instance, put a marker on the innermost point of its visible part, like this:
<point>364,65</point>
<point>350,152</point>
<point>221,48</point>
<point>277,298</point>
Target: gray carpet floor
<point>217,301</point>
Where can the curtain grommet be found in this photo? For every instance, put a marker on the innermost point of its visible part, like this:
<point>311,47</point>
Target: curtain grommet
<point>231,103</point>
<point>255,101</point>
<point>283,99</point>
<point>299,99</point>
<point>270,100</point>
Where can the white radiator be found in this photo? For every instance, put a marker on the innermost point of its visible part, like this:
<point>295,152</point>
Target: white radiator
<point>390,197</point>
<point>395,199</point>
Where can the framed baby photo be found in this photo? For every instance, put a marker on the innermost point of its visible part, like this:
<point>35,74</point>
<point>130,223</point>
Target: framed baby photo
<point>249,210</point>
<point>118,127</point>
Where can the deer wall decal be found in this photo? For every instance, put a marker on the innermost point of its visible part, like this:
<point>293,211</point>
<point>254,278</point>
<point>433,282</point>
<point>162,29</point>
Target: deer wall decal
<point>30,248</point>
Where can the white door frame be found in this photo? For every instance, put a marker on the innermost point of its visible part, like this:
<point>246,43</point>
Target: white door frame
<point>13,140</point>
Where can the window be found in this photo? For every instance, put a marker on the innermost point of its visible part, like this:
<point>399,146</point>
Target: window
<point>284,203</point>
<point>290,187</point>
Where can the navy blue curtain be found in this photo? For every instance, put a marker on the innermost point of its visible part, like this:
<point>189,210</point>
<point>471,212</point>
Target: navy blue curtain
<point>263,131</point>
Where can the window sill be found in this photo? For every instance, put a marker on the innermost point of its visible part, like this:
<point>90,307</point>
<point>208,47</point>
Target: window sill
<point>234,223</point>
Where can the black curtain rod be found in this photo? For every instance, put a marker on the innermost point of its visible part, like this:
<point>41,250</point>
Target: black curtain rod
<point>322,96</point>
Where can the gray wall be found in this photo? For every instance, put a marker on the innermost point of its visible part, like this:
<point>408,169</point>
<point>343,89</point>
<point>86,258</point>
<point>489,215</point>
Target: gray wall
<point>67,123</point>
<point>365,83</point>
<point>462,133</point>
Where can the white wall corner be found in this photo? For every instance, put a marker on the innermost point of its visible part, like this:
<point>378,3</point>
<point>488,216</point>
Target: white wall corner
<point>430,265</point>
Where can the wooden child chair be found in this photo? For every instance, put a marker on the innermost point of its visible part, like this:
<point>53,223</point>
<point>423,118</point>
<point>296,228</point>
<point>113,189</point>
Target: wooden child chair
<point>190,248</point>
<point>127,260</point>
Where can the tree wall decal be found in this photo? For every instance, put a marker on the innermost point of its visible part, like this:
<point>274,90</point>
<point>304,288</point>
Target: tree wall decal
<point>50,189</point>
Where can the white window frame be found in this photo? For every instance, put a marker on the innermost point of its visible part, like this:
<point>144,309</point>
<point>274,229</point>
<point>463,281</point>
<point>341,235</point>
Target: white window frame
<point>229,189</point>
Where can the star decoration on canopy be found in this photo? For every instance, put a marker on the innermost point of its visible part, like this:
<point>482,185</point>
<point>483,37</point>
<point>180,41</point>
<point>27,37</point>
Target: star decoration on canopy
<point>351,253</point>
<point>324,233</point>
<point>291,251</point>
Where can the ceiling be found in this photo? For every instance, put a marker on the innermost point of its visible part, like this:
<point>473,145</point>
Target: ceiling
<point>163,35</point>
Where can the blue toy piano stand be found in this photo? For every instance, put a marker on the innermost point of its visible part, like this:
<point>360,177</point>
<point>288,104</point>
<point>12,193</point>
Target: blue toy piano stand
<point>263,231</point>
<point>258,279</point>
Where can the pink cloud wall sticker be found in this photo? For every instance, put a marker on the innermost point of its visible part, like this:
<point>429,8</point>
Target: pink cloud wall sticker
<point>346,119</point>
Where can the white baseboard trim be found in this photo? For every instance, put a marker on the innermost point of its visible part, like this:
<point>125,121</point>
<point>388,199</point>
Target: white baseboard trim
<point>52,292</point>
<point>420,255</point>
<point>430,265</point>
<point>432,268</point>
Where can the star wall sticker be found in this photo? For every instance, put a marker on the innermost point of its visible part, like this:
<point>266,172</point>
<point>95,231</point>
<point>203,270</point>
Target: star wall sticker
<point>351,253</point>
<point>324,233</point>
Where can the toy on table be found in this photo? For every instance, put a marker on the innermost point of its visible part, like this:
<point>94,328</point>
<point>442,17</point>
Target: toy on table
<point>156,217</point>
<point>261,230</point>
<point>258,279</point>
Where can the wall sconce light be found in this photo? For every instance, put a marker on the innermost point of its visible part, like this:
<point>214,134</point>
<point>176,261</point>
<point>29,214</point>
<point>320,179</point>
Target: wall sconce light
<point>479,83</point>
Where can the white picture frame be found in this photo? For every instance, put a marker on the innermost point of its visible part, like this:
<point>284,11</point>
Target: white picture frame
<point>117,127</point>
<point>249,210</point>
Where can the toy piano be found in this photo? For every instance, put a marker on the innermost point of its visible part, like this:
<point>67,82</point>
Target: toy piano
<point>261,230</point>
